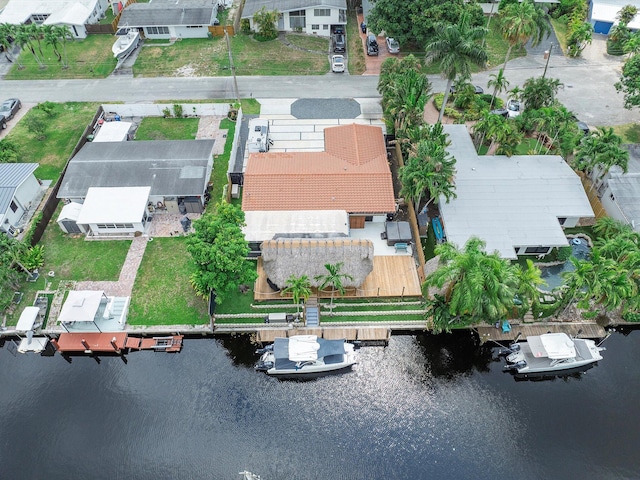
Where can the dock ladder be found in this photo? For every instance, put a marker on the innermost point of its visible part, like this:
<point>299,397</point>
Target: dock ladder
<point>312,312</point>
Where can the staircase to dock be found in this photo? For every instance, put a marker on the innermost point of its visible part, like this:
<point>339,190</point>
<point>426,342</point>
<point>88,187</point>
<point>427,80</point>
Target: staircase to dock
<point>312,312</point>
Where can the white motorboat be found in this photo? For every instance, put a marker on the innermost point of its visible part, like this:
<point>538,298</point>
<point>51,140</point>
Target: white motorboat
<point>125,44</point>
<point>551,352</point>
<point>301,355</point>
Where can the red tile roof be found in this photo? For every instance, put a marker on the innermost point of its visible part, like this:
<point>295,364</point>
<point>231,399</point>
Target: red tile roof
<point>352,174</point>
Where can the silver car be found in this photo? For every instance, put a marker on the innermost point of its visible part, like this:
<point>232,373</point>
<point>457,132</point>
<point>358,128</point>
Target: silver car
<point>337,63</point>
<point>392,45</point>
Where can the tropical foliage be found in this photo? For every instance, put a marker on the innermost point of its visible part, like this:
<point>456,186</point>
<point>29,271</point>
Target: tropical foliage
<point>31,37</point>
<point>599,152</point>
<point>479,286</point>
<point>539,92</point>
<point>333,278</point>
<point>415,22</point>
<point>521,22</point>
<point>219,251</point>
<point>299,288</point>
<point>455,48</point>
<point>629,83</point>
<point>266,23</point>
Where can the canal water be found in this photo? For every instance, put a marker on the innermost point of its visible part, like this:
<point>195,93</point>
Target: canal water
<point>425,407</point>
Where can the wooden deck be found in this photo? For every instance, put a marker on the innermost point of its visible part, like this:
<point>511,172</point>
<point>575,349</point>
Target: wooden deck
<point>589,330</point>
<point>118,342</point>
<point>392,276</point>
<point>364,334</point>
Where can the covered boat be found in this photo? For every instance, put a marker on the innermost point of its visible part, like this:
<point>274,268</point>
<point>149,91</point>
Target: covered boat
<point>551,352</point>
<point>306,354</point>
<point>125,44</point>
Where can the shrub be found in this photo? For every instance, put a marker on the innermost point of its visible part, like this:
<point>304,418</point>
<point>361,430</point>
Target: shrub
<point>37,125</point>
<point>166,112</point>
<point>49,108</point>
<point>564,253</point>
<point>245,26</point>
<point>8,151</point>
<point>177,110</point>
<point>34,257</point>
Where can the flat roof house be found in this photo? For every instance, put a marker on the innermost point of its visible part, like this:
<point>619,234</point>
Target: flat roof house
<point>177,171</point>
<point>517,205</point>
<point>171,19</point>
<point>603,13</point>
<point>620,192</point>
<point>72,13</point>
<point>313,17</point>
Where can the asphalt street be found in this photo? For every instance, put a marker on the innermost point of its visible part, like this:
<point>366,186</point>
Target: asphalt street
<point>588,86</point>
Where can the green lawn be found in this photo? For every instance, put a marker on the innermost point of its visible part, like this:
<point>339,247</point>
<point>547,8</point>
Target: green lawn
<point>88,58</point>
<point>28,290</point>
<point>561,29</point>
<point>630,132</point>
<point>209,57</point>
<point>162,294</point>
<point>159,128</point>
<point>76,259</point>
<point>62,135</point>
<point>309,42</point>
<point>355,49</point>
<point>221,162</point>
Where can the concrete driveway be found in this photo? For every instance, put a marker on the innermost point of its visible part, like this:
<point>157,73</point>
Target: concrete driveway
<point>18,116</point>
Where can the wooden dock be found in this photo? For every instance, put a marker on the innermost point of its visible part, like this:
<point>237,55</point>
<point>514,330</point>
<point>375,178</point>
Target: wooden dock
<point>363,334</point>
<point>588,330</point>
<point>114,342</point>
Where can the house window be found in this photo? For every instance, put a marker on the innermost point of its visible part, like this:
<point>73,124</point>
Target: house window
<point>536,250</point>
<point>297,19</point>
<point>322,12</point>
<point>613,199</point>
<point>315,27</point>
<point>112,226</point>
<point>342,16</point>
<point>158,30</point>
<point>13,206</point>
<point>561,220</point>
<point>194,26</point>
<point>39,18</point>
<point>325,27</point>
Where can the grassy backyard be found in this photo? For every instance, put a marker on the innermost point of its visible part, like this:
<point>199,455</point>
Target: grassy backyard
<point>355,49</point>
<point>309,42</point>
<point>73,258</point>
<point>63,131</point>
<point>629,132</point>
<point>160,128</point>
<point>88,58</point>
<point>162,294</point>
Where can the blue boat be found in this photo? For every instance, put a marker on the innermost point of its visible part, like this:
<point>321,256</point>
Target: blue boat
<point>437,230</point>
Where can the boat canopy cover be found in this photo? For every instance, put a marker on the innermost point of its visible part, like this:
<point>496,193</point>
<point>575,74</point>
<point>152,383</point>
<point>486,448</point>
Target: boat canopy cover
<point>27,319</point>
<point>306,348</point>
<point>555,346</point>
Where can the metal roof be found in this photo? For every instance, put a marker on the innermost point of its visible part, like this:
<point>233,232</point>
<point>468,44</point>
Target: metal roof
<point>169,167</point>
<point>253,6</point>
<point>19,11</point>
<point>114,205</point>
<point>625,187</point>
<point>11,177</point>
<point>159,13</point>
<point>510,201</point>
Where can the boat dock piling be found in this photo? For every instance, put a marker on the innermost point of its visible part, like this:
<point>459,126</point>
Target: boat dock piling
<point>118,343</point>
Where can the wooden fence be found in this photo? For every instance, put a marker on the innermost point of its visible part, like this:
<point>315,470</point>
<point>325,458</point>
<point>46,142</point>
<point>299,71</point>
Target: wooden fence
<point>218,30</point>
<point>592,195</point>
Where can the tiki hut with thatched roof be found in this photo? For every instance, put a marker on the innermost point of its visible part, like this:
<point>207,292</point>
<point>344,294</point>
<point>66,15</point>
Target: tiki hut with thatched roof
<point>285,257</point>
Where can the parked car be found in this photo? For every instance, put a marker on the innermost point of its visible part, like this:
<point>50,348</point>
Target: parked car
<point>339,43</point>
<point>372,45</point>
<point>392,45</point>
<point>582,126</point>
<point>8,110</point>
<point>503,112</point>
<point>478,89</point>
<point>337,29</point>
<point>337,64</point>
<point>514,107</point>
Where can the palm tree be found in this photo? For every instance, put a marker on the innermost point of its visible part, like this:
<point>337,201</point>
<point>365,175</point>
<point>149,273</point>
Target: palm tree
<point>34,34</point>
<point>64,34</point>
<point>7,30</point>
<point>540,92</point>
<point>480,286</point>
<point>456,49</point>
<point>521,22</point>
<point>601,151</point>
<point>300,288</point>
<point>609,227</point>
<point>429,169</point>
<point>581,35</point>
<point>529,280</point>
<point>499,84</point>
<point>333,277</point>
<point>15,251</point>
<point>405,100</point>
<point>51,37</point>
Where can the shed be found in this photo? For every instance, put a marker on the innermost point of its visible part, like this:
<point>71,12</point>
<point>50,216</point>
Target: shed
<point>113,132</point>
<point>68,218</point>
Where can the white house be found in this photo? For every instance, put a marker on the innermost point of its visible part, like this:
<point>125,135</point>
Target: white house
<point>72,13</point>
<point>620,192</point>
<point>602,14</point>
<point>518,205</point>
<point>171,19</point>
<point>314,17</point>
<point>18,190</point>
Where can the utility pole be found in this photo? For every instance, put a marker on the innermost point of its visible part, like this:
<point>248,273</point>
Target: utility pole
<point>547,55</point>
<point>231,66</point>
